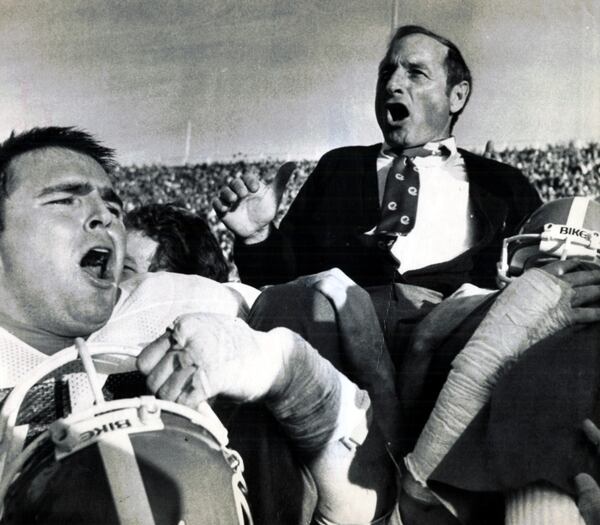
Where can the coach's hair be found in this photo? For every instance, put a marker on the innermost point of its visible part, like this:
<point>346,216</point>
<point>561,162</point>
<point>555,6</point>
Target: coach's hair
<point>185,241</point>
<point>456,67</point>
<point>49,137</point>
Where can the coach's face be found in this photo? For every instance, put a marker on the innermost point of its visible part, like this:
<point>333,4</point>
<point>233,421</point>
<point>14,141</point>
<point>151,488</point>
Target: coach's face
<point>61,250</point>
<point>412,104</point>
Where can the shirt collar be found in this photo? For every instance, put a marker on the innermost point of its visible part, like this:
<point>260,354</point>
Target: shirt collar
<point>435,146</point>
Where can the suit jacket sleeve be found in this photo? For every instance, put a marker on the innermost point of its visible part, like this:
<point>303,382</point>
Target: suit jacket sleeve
<point>339,202</point>
<point>525,199</point>
<point>275,260</point>
<point>503,199</point>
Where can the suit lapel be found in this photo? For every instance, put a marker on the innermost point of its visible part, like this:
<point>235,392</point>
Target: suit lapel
<point>491,210</point>
<point>370,189</point>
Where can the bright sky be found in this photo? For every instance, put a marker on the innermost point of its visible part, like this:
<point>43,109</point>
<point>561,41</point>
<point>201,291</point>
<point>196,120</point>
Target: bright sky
<point>290,79</point>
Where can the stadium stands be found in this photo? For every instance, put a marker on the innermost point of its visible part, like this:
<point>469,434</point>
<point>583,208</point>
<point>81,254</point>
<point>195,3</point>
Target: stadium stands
<point>556,170</point>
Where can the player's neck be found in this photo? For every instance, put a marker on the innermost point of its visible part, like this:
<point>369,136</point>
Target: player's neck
<point>46,342</point>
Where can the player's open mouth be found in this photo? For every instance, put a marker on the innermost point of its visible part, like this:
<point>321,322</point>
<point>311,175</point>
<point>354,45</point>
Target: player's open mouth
<point>396,112</point>
<point>96,263</point>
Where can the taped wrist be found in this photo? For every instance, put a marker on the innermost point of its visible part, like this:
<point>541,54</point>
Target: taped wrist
<point>318,404</point>
<point>534,306</point>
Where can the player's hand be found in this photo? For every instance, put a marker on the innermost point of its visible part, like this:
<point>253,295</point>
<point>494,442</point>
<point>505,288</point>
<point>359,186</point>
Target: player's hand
<point>359,329</point>
<point>584,280</point>
<point>333,284</point>
<point>588,492</point>
<point>247,205</point>
<point>205,355</point>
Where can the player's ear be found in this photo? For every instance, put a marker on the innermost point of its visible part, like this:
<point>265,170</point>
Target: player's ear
<point>458,96</point>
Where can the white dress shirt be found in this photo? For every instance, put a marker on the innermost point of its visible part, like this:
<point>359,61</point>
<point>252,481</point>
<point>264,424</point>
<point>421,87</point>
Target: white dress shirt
<point>444,225</point>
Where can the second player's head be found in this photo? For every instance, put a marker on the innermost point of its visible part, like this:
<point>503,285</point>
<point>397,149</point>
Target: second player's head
<point>167,237</point>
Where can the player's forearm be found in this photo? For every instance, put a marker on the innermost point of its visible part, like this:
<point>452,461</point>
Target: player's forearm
<point>531,308</point>
<point>327,418</point>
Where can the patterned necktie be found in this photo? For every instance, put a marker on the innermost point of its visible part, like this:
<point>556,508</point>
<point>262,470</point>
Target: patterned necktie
<point>401,194</point>
<point>400,198</point>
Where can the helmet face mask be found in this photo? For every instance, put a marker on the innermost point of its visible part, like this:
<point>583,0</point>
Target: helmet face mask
<point>563,229</point>
<point>141,459</point>
<point>133,460</point>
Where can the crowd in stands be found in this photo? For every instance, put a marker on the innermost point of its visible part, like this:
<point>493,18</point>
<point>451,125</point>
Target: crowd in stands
<point>555,170</point>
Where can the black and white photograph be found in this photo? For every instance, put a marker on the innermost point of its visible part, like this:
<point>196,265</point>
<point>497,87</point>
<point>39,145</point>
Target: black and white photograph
<point>300,262</point>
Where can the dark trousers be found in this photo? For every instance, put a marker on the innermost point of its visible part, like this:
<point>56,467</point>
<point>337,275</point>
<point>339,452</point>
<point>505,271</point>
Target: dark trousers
<point>280,489</point>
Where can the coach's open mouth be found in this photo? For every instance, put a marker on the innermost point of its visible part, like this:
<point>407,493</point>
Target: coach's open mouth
<point>396,112</point>
<point>96,263</point>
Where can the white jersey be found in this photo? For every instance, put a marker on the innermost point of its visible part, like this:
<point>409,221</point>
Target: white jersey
<point>148,304</point>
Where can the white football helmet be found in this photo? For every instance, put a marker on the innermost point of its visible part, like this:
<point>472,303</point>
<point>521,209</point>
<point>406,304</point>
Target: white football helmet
<point>562,229</point>
<point>126,461</point>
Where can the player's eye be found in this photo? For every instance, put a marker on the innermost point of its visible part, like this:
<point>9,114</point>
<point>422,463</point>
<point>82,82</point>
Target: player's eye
<point>129,268</point>
<point>129,263</point>
<point>62,200</point>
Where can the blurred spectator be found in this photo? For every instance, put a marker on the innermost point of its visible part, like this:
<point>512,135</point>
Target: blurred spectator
<point>171,238</point>
<point>555,170</point>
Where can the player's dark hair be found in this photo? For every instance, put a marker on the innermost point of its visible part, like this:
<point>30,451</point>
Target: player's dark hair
<point>185,241</point>
<point>48,137</point>
<point>456,68</point>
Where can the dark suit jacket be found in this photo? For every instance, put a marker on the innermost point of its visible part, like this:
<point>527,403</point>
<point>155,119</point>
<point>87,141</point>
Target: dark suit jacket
<point>339,202</point>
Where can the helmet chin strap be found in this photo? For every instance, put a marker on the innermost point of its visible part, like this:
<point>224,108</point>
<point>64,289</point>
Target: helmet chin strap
<point>567,242</point>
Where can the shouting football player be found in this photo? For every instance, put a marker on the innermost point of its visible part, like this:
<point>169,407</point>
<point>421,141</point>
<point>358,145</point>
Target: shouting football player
<point>62,246</point>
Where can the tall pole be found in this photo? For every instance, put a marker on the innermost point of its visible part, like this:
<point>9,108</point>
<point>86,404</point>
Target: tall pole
<point>188,141</point>
<point>394,15</point>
